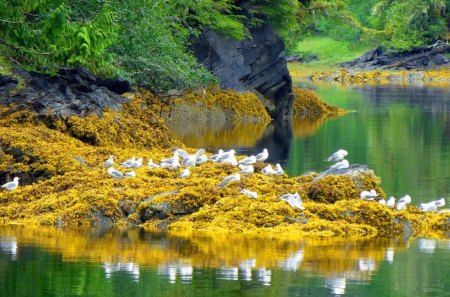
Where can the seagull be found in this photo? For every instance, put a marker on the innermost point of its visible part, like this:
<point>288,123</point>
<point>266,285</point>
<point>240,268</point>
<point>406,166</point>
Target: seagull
<point>261,157</point>
<point>114,173</point>
<point>249,193</point>
<point>368,194</point>
<point>11,185</point>
<point>185,173</point>
<point>151,164</point>
<point>294,200</point>
<point>440,203</point>
<point>391,202</point>
<point>109,162</point>
<point>401,205</point>
<point>229,157</point>
<point>128,162</point>
<point>248,161</point>
<point>229,179</point>
<point>247,169</point>
<point>130,174</point>
<point>333,168</point>
<point>382,201</point>
<point>225,155</point>
<point>340,165</point>
<point>217,156</point>
<point>430,206</point>
<point>135,164</point>
<point>279,170</point>
<point>190,160</point>
<point>406,199</point>
<point>337,156</point>
<point>201,159</point>
<point>172,159</point>
<point>268,170</point>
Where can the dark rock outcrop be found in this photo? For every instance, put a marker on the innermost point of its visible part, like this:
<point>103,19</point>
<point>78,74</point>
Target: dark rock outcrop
<point>254,64</point>
<point>422,58</point>
<point>71,92</point>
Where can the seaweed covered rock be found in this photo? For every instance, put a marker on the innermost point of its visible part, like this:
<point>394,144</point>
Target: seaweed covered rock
<point>308,104</point>
<point>63,182</point>
<point>344,184</point>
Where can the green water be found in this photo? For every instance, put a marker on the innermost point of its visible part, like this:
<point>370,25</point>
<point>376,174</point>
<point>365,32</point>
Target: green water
<point>402,133</point>
<point>52,262</point>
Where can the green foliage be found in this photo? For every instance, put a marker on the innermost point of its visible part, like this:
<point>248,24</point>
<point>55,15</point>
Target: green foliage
<point>52,33</point>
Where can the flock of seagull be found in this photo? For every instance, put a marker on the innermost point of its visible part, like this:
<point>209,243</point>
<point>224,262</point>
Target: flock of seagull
<point>181,158</point>
<point>371,195</point>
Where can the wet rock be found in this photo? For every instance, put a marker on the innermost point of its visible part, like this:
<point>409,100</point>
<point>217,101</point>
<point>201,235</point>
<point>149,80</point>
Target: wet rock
<point>71,92</point>
<point>7,79</point>
<point>256,64</point>
<point>157,211</point>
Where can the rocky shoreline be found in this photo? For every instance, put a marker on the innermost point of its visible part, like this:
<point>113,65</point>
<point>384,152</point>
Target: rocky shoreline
<point>58,154</point>
<point>420,66</point>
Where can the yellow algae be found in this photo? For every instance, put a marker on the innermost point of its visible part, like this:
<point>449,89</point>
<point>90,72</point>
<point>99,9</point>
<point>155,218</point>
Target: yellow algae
<point>63,183</point>
<point>429,77</point>
<point>308,104</point>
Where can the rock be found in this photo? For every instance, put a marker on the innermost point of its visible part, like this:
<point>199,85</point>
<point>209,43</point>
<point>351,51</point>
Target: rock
<point>72,92</point>
<point>7,79</point>
<point>254,64</point>
<point>157,211</point>
<point>379,59</point>
<point>116,85</point>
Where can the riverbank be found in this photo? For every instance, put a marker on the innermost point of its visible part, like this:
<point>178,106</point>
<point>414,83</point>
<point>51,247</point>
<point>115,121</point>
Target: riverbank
<point>63,182</point>
<point>430,77</point>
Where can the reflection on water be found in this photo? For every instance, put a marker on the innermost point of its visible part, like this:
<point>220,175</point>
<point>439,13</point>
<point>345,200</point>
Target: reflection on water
<point>319,266</point>
<point>212,137</point>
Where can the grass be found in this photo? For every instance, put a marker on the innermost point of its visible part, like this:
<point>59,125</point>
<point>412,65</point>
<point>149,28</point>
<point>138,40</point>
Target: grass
<point>330,52</point>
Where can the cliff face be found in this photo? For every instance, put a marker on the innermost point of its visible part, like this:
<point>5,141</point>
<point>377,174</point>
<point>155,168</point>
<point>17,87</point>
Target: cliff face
<point>256,64</point>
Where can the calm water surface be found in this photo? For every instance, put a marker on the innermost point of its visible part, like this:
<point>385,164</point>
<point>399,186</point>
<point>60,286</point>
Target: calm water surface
<point>402,133</point>
<point>53,262</point>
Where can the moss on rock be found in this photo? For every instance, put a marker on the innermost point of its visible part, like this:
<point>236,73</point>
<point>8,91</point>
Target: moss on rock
<point>308,104</point>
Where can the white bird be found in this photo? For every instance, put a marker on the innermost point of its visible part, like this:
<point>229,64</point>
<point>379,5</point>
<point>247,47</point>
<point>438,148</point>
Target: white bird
<point>382,201</point>
<point>279,170</point>
<point>249,193</point>
<point>11,185</point>
<point>391,202</point>
<point>130,174</point>
<point>340,165</point>
<point>400,205</point>
<point>440,203</point>
<point>248,160</point>
<point>135,164</point>
<point>368,194</point>
<point>268,170</point>
<point>430,206</point>
<point>114,173</point>
<point>185,173</point>
<point>128,162</point>
<point>151,164</point>
<point>406,199</point>
<point>182,153</point>
<point>230,178</point>
<point>226,155</point>
<point>337,156</point>
<point>172,159</point>
<point>217,156</point>
<point>294,200</point>
<point>109,162</point>
<point>202,159</point>
<point>190,160</point>
<point>229,157</point>
<point>261,157</point>
<point>171,163</point>
<point>247,169</point>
